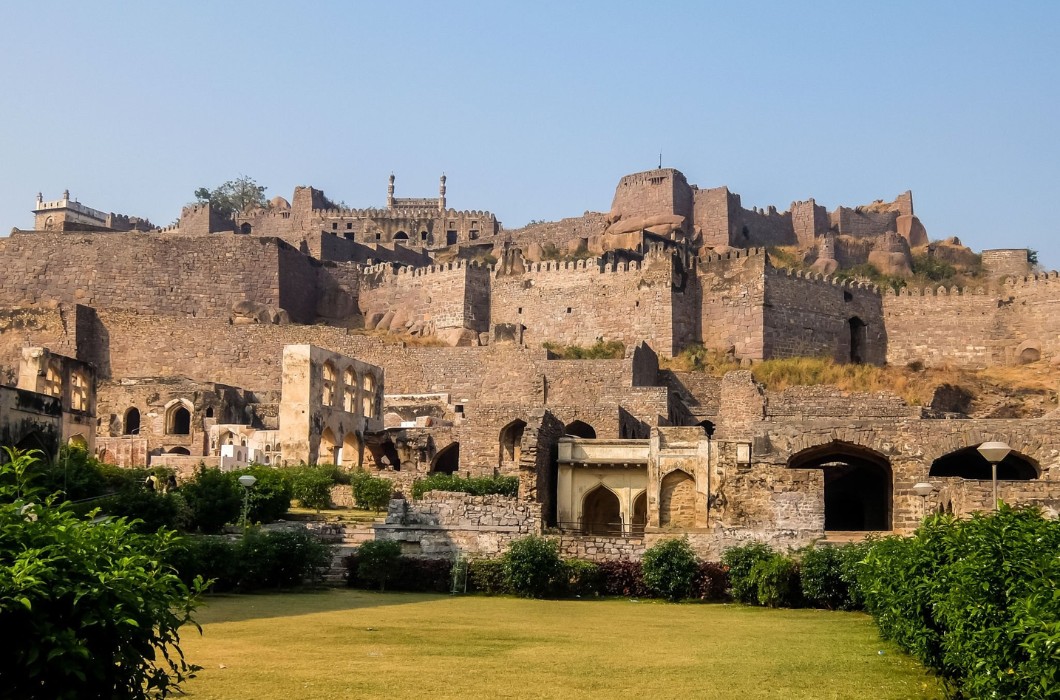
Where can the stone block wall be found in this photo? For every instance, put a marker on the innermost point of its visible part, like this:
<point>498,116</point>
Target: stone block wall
<point>654,192</point>
<point>449,296</point>
<point>1013,262</point>
<point>861,223</point>
<point>812,316</point>
<point>732,289</point>
<point>446,524</point>
<point>576,303</point>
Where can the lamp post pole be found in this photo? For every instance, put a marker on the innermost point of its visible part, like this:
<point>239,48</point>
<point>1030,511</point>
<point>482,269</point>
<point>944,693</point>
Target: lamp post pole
<point>246,481</point>
<point>995,453</point>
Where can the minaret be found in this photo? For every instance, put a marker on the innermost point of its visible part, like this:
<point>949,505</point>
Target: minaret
<point>441,193</point>
<point>390,193</point>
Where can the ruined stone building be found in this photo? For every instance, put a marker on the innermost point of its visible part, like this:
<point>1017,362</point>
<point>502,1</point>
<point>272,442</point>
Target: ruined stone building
<point>409,339</point>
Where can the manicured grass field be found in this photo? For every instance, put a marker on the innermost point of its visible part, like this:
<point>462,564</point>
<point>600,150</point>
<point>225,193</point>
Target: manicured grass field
<point>354,644</point>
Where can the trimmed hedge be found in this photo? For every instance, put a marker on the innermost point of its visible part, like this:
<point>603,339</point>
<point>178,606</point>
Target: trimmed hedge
<point>281,559</point>
<point>476,485</point>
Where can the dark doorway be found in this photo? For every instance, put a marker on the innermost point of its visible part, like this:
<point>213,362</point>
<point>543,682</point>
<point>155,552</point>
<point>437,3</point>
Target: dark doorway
<point>857,340</point>
<point>857,485</point>
<point>640,513</point>
<point>708,427</point>
<point>246,228</point>
<point>180,451</point>
<point>601,512</point>
<point>401,236</point>
<point>132,422</point>
<point>580,429</point>
<point>179,421</point>
<point>450,237</point>
<point>447,460</point>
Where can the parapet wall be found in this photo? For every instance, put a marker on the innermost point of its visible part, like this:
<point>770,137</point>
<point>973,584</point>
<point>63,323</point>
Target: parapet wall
<point>578,302</point>
<point>975,327</point>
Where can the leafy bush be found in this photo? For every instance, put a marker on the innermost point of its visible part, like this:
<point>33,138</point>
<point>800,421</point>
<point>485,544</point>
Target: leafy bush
<point>975,600</point>
<point>487,576</point>
<point>75,474</point>
<point>532,567</point>
<point>711,581</point>
<point>624,578</point>
<point>377,561</point>
<point>415,574</point>
<point>740,561</point>
<point>150,509</point>
<point>669,569</point>
<point>260,559</point>
<point>311,486</point>
<point>476,485</point>
<point>271,495</point>
<point>372,493</point>
<point>90,605</point>
<point>776,581</point>
<point>215,499</point>
<point>828,578</point>
<point>581,578</point>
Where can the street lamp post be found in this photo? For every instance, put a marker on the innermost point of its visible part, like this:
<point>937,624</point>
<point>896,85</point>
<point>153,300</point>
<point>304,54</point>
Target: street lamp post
<point>995,453</point>
<point>923,489</point>
<point>246,481</point>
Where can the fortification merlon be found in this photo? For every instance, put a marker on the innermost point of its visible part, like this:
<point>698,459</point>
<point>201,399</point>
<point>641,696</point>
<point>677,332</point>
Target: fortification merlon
<point>708,258</point>
<point>1031,280</point>
<point>940,291</point>
<point>829,280</point>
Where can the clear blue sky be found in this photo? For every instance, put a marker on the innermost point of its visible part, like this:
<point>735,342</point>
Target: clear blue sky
<point>535,111</point>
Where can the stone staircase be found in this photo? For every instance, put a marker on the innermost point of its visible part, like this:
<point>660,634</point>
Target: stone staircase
<point>344,541</point>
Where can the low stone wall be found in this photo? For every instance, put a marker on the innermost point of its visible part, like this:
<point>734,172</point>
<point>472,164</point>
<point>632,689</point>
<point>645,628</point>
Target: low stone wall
<point>445,524</point>
<point>710,545</point>
<point>599,548</point>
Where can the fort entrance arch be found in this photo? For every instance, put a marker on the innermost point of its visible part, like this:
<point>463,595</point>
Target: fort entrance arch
<point>858,490</point>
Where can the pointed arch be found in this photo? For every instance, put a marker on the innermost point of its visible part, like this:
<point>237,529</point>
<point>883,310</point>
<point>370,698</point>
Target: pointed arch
<point>580,429</point>
<point>601,512</point>
<point>352,450</point>
<point>327,452</point>
<point>640,513</point>
<point>511,438</point>
<point>677,500</point>
<point>178,418</point>
<point>447,460</point>
<point>78,441</point>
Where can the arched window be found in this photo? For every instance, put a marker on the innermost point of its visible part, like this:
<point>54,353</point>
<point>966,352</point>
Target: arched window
<point>78,391</point>
<point>349,390</point>
<point>132,422</point>
<point>180,451</point>
<point>401,236</point>
<point>246,228</point>
<point>640,513</point>
<point>580,429</point>
<point>178,420</point>
<point>601,512</point>
<point>327,396</point>
<point>967,463</point>
<point>78,441</point>
<point>447,460</point>
<point>53,380</point>
<point>368,396</point>
<point>209,411</point>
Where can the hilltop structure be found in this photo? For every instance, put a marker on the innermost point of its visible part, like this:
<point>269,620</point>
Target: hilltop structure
<point>199,338</point>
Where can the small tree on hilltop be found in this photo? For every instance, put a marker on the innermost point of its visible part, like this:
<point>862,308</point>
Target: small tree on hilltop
<point>234,196</point>
<point>89,607</point>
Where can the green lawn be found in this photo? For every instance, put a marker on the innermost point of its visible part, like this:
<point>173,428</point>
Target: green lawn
<point>354,644</point>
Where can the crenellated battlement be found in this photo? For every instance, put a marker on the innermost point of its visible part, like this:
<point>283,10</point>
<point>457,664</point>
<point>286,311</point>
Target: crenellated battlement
<point>712,257</point>
<point>829,280</point>
<point>1049,277</point>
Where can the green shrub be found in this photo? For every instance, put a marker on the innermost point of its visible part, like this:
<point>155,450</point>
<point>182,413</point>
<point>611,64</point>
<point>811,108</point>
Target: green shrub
<point>311,486</point>
<point>270,497</point>
<point>211,557</point>
<point>600,350</point>
<point>740,561</point>
<point>776,581</point>
<point>378,561</point>
<point>975,600</point>
<point>415,574</point>
<point>669,569</point>
<point>487,576</point>
<point>532,567</point>
<point>280,559</point>
<point>150,509</point>
<point>829,578</point>
<point>476,485</point>
<point>75,474</point>
<point>580,578</point>
<point>215,499</point>
<point>372,493</point>
<point>90,609</point>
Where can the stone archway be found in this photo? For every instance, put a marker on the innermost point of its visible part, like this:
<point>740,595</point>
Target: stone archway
<point>677,500</point>
<point>967,463</point>
<point>132,422</point>
<point>858,490</point>
<point>640,513</point>
<point>328,451</point>
<point>511,438</point>
<point>601,512</point>
<point>580,429</point>
<point>447,460</point>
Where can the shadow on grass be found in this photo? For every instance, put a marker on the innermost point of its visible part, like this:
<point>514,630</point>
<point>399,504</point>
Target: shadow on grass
<point>237,607</point>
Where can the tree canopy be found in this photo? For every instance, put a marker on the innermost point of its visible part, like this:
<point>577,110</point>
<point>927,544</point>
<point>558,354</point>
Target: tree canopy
<point>234,196</point>
<point>89,605</point>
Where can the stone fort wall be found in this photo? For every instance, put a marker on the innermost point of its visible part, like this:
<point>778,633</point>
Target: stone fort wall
<point>975,327</point>
<point>450,295</point>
